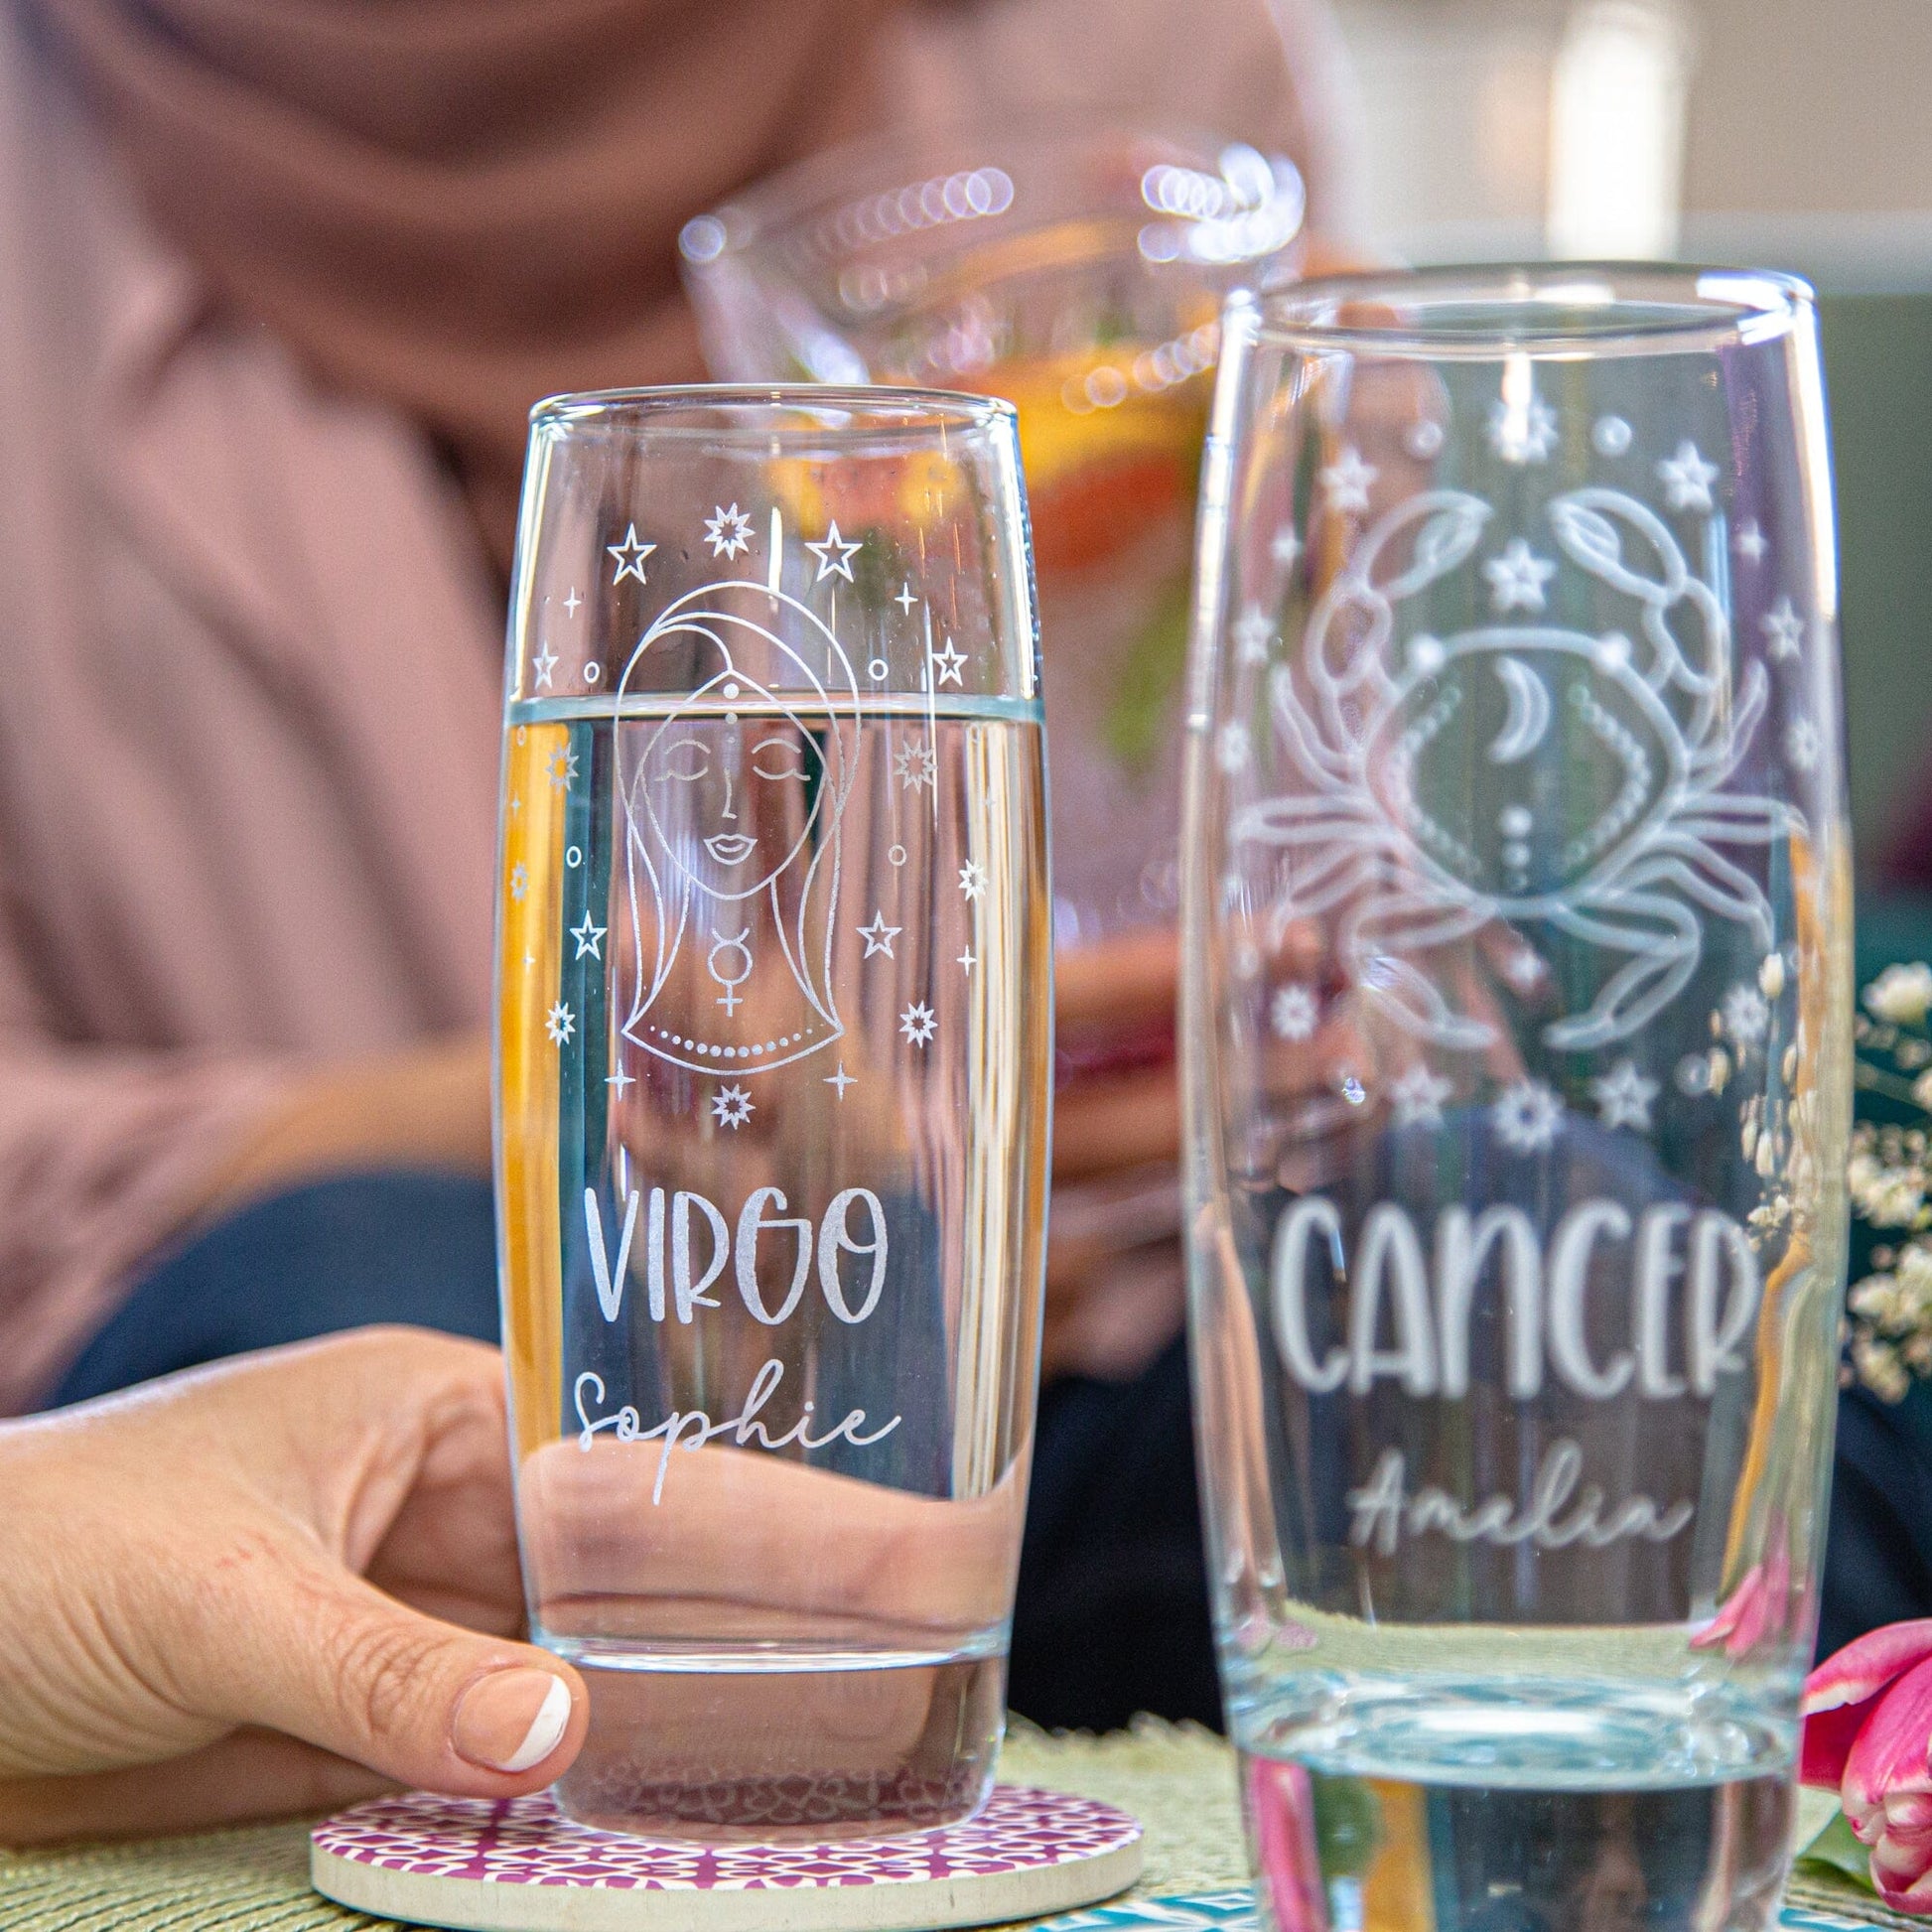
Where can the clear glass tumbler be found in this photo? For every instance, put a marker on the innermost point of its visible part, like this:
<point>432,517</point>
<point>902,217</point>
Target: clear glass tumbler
<point>1516,1053</point>
<point>775,1054</point>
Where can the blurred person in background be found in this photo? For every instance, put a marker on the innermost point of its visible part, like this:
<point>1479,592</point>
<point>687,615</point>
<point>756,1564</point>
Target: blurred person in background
<point>279,281</point>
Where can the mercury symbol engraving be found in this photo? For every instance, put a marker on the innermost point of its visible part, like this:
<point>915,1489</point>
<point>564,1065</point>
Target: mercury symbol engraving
<point>730,964</point>
<point>732,811</point>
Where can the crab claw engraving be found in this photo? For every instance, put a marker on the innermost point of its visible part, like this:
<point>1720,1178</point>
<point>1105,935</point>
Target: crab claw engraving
<point>1377,835</point>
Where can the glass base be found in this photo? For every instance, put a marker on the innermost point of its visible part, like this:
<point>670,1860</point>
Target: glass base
<point>750,1751</point>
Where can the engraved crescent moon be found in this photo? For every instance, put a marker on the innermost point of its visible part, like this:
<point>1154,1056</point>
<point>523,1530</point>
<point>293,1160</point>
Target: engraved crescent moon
<point>1529,712</point>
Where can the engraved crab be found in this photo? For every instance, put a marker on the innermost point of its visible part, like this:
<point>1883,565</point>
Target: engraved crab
<point>1517,771</point>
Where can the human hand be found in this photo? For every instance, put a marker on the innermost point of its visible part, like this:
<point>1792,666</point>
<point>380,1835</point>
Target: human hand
<point>1113,1275</point>
<point>269,1586</point>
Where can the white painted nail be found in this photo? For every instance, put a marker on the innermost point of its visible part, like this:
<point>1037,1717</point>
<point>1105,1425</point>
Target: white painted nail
<point>546,1729</point>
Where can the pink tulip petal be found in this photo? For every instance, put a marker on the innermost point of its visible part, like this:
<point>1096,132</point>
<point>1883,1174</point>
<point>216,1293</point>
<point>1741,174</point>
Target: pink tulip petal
<point>1909,1811</point>
<point>1828,1741</point>
<point>1864,1667</point>
<point>1730,1611</point>
<point>1897,1864</point>
<point>1890,1752</point>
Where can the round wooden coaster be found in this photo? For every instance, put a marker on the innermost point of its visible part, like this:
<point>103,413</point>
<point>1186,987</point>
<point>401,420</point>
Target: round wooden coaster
<point>522,1867</point>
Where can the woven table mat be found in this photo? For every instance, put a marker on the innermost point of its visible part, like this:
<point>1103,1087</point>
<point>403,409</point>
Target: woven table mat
<point>1177,1780</point>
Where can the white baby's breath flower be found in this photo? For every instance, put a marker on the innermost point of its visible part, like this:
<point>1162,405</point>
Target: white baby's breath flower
<point>1901,994</point>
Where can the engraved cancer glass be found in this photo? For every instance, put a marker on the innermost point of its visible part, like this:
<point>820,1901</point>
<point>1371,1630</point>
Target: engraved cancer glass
<point>1516,1020</point>
<point>774,994</point>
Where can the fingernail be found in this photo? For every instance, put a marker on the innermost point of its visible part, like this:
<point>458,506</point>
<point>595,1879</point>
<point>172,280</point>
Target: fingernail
<point>511,1718</point>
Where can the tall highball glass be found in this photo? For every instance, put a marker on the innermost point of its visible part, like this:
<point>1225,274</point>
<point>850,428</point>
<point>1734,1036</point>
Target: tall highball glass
<point>1516,1044</point>
<point>774,987</point>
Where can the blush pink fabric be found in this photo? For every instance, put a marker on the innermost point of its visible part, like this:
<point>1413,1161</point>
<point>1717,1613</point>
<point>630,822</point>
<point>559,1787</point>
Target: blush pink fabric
<point>252,662</point>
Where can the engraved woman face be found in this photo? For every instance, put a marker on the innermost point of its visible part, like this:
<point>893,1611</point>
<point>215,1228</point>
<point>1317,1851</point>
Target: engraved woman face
<point>732,785</point>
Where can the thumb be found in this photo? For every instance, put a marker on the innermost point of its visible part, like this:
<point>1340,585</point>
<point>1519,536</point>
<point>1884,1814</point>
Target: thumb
<point>329,1658</point>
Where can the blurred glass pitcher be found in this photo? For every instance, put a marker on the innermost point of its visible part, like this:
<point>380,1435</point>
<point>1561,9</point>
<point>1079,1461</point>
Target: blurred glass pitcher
<point>1077,269</point>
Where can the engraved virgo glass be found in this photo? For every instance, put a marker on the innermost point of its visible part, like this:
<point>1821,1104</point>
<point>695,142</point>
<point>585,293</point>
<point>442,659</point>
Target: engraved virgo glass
<point>775,996</point>
<point>1516,1050</point>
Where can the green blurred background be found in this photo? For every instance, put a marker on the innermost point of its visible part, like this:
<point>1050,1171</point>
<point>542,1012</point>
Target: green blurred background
<point>1878,375</point>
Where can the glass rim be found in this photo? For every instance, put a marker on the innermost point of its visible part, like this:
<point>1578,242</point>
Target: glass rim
<point>855,168</point>
<point>1626,308</point>
<point>760,408</point>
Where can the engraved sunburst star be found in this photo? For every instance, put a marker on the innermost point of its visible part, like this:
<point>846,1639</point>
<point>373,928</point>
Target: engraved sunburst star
<point>917,1023</point>
<point>917,767</point>
<point>560,1022</point>
<point>731,1107</point>
<point>1527,1116</point>
<point>728,531</point>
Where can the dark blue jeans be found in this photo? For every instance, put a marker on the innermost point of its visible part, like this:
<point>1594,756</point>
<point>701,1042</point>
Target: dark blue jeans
<point>419,1248</point>
<point>1112,1609</point>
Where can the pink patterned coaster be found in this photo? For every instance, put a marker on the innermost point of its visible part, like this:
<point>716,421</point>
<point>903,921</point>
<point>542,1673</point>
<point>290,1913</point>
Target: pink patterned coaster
<point>522,1867</point>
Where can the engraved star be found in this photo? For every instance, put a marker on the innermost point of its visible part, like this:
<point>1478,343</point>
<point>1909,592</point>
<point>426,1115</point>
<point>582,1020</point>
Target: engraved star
<point>1233,747</point>
<point>519,880</point>
<point>949,664</point>
<point>834,554</point>
<point>879,936</point>
<point>1748,541</point>
<point>728,531</point>
<point>905,599</point>
<point>731,1107</point>
<point>560,1022</point>
<point>562,767</point>
<point>1784,628</point>
<point>620,1079</point>
<point>516,806</point>
<point>1293,1013</point>
<point>1516,577</point>
<point>918,1024</point>
<point>1687,478</point>
<point>1521,435</point>
<point>1523,970</point>
<point>968,959</point>
<point>1801,744</point>
<point>1285,547</point>
<point>543,664</point>
<point>1623,1098</point>
<point>1252,633</point>
<point>1527,1116</point>
<point>972,879</point>
<point>588,937</point>
<point>572,600</point>
<point>1345,481</point>
<point>917,767</point>
<point>630,556</point>
<point>841,1079</point>
<point>1418,1095</point>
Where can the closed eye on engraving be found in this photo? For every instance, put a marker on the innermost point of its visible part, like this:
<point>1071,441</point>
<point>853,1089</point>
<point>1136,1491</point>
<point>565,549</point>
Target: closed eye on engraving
<point>777,758</point>
<point>685,759</point>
